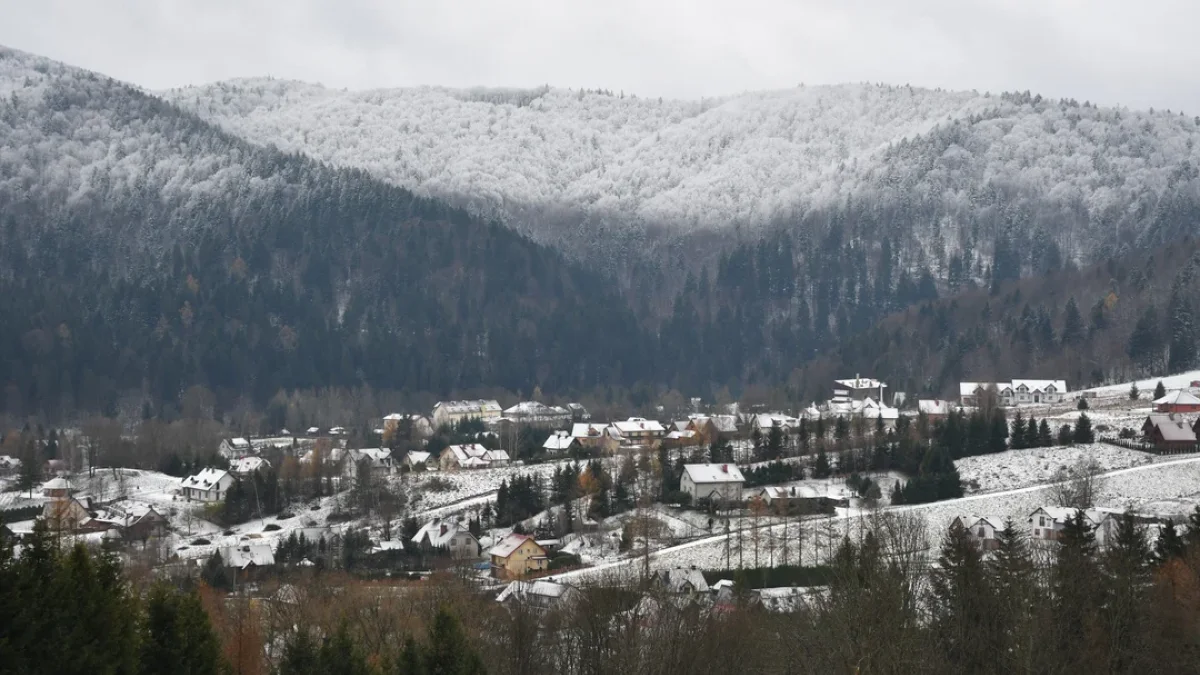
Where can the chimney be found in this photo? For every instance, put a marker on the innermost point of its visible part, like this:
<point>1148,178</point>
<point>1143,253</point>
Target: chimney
<point>443,528</point>
<point>724,468</point>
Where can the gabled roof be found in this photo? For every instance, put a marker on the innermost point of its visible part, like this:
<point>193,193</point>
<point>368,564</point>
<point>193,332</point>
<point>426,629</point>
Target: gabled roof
<point>861,383</point>
<point>541,589</point>
<point>1041,385</point>
<point>934,406</point>
<point>678,580</point>
<point>639,425</point>
<point>440,531</point>
<point>468,407</point>
<point>239,443</point>
<point>59,483</point>
<point>1181,397</point>
<point>713,473</point>
<point>207,479</point>
<point>684,435</point>
<point>559,440</point>
<point>248,464</point>
<point>511,543</point>
<point>416,457</point>
<point>969,522</point>
<point>1173,429</point>
<point>582,430</point>
<point>467,451</point>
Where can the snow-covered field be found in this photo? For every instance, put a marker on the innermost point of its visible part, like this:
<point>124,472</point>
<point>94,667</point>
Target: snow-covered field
<point>1022,468</point>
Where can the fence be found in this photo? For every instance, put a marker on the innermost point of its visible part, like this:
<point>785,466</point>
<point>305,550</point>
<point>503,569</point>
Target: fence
<point>1143,446</point>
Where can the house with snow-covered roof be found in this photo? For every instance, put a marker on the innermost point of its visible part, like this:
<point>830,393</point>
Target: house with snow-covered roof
<point>231,448</point>
<point>982,530</point>
<point>418,459</point>
<point>9,465</point>
<point>640,431</point>
<point>210,485</point>
<point>1169,432</point>
<point>935,409</point>
<point>248,556</point>
<point>540,594</point>
<point>403,424</point>
<point>681,580</point>
<point>516,556</point>
<point>559,443</point>
<point>537,414</point>
<point>378,459</point>
<point>712,481</point>
<point>858,388</point>
<point>471,456</point>
<point>244,466</point>
<point>1014,393</point>
<point>1181,401</point>
<point>446,536</point>
<point>449,413</point>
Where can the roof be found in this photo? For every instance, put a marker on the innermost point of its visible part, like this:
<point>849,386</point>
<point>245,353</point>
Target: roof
<point>768,420</point>
<point>468,407</point>
<point>390,545</point>
<point>247,555</point>
<point>1041,385</point>
<point>248,464</point>
<point>934,406</point>
<point>861,383</point>
<point>686,434</point>
<point>790,492</point>
<point>467,451</point>
<point>535,409</point>
<point>440,531</point>
<point>376,455</point>
<point>394,417</point>
<point>239,443</point>
<point>540,588</point>
<point>678,579</point>
<point>639,424</point>
<point>559,440</point>
<point>1172,428</point>
<point>582,430</point>
<point>59,483</point>
<point>969,522</point>
<point>205,480</point>
<point>1062,513</point>
<point>1181,397</point>
<point>509,544</point>
<point>969,388</point>
<point>713,473</point>
<point>417,457</point>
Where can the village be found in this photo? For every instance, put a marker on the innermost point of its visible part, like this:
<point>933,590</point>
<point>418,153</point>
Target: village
<point>533,500</point>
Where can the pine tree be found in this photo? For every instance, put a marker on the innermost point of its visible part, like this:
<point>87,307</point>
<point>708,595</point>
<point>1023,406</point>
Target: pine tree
<point>1134,394</point>
<point>1182,325</point>
<point>1146,343</point>
<point>340,656</point>
<point>1073,330</point>
<point>1031,433</point>
<point>1075,604</point>
<point>448,652</point>
<point>821,470</point>
<point>1065,435</point>
<point>998,438</point>
<point>300,655</point>
<point>1159,390</point>
<point>178,636</point>
<point>1045,437</point>
<point>1169,544</point>
<point>1082,404</point>
<point>29,473</point>
<point>1017,440</point>
<point>1012,571</point>
<point>963,604</point>
<point>1127,572</point>
<point>1083,430</point>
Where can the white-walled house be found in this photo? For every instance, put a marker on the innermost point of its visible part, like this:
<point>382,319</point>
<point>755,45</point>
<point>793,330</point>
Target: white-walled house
<point>231,448</point>
<point>712,481</point>
<point>210,485</point>
<point>449,536</point>
<point>983,530</point>
<point>1016,392</point>
<point>380,460</point>
<point>471,456</point>
<point>453,412</point>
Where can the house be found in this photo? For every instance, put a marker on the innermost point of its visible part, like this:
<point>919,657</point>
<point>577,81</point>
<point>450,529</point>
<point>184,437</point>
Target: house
<point>471,456</point>
<point>797,499</point>
<point>712,481</point>
<point>982,530</point>
<point>63,512</point>
<point>1016,392</point>
<point>859,388</point>
<point>540,594</point>
<point>244,466</point>
<point>9,465</point>
<point>535,414</point>
<point>142,521</point>
<point>560,442</point>
<point>449,413</point>
<point>231,448</point>
<point>378,459</point>
<point>516,556</point>
<point>640,431</point>
<point>210,485</point>
<point>1181,401</point>
<point>872,410</point>
<point>596,436</point>
<point>449,536</point>
<point>417,459</point>
<point>680,580</point>
<point>400,424</point>
<point>682,439</point>
<point>59,488</point>
<point>935,409</point>
<point>1169,432</point>
<point>578,412</point>
<point>763,423</point>
<point>313,431</point>
<point>1047,522</point>
<point>713,428</point>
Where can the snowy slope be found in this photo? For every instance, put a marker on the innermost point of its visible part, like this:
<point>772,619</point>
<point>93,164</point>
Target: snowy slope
<point>744,160</point>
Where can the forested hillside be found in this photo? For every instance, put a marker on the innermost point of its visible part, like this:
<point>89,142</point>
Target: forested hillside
<point>942,174</point>
<point>145,251</point>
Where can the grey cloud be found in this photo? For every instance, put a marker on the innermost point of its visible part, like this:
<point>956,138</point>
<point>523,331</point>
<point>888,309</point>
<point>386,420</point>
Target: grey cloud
<point>1109,51</point>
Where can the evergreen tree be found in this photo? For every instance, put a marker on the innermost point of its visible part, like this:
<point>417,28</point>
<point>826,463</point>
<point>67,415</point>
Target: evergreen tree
<point>1083,430</point>
<point>410,662</point>
<point>1073,330</point>
<point>1017,441</point>
<point>1031,433</point>
<point>1065,435</point>
<point>1134,394</point>
<point>29,473</point>
<point>998,438</point>
<point>1191,535</point>
<point>1159,390</point>
<point>1082,404</point>
<point>821,470</point>
<point>1074,605</point>
<point>300,655</point>
<point>1146,343</point>
<point>215,573</point>
<point>1182,325</point>
<point>1127,573</point>
<point>1045,437</point>
<point>340,656</point>
<point>1012,571</point>
<point>964,604</point>
<point>178,636</point>
<point>1169,544</point>
<point>448,652</point>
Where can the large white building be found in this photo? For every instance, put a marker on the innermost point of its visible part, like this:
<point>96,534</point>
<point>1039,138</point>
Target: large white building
<point>712,481</point>
<point>538,414</point>
<point>453,412</point>
<point>1017,392</point>
<point>210,485</point>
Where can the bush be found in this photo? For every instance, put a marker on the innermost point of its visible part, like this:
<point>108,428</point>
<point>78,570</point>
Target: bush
<point>564,560</point>
<point>678,497</point>
<point>439,484</point>
<point>200,542</point>
<point>272,527</point>
<point>1083,404</point>
<point>228,533</point>
<point>285,515</point>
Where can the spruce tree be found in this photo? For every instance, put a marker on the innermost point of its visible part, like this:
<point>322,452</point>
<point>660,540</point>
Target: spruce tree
<point>1159,390</point>
<point>1083,430</point>
<point>821,470</point>
<point>1169,544</point>
<point>1065,435</point>
<point>300,655</point>
<point>340,656</point>
<point>964,604</point>
<point>1191,535</point>
<point>448,652</point>
<point>1075,604</point>
<point>1073,330</point>
<point>178,637</point>
<point>1127,573</point>
<point>1012,570</point>
<point>1182,325</point>
<point>1082,404</point>
<point>998,437</point>
<point>1134,394</point>
<point>1017,440</point>
<point>1031,433</point>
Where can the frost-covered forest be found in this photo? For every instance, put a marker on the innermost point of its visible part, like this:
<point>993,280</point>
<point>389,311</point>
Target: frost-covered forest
<point>940,172</point>
<point>286,236</point>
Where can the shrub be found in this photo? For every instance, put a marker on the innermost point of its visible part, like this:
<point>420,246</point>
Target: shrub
<point>200,542</point>
<point>439,484</point>
<point>285,515</point>
<point>272,527</point>
<point>563,560</point>
<point>678,497</point>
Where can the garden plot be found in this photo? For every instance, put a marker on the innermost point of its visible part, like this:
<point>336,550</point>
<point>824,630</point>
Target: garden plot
<point>1023,468</point>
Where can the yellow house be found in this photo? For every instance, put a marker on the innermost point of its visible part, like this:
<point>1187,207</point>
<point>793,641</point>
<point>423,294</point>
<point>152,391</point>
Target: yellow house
<point>516,556</point>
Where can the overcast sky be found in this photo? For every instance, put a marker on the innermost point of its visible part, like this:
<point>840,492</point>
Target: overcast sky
<point>1138,54</point>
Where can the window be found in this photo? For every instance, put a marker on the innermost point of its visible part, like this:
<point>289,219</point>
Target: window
<point>1037,533</point>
